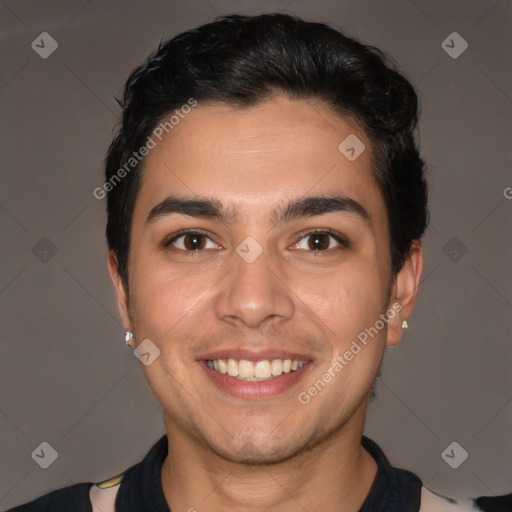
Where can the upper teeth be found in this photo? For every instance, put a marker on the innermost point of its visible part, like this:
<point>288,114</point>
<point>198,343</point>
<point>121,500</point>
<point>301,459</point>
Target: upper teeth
<point>260,370</point>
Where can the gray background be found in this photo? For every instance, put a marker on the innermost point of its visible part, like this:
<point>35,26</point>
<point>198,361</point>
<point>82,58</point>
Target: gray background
<point>65,375</point>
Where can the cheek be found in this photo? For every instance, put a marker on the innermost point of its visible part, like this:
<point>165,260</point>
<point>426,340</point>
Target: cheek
<point>346,303</point>
<point>163,299</point>
<point>343,302</point>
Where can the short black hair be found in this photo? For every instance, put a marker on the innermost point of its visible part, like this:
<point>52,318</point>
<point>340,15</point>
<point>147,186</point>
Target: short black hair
<point>244,60</point>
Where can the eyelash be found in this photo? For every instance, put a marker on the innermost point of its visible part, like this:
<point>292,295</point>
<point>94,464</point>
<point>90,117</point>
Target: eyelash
<point>167,244</point>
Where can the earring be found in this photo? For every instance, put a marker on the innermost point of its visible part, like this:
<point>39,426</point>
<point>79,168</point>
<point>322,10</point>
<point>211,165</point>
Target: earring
<point>404,325</point>
<point>127,337</point>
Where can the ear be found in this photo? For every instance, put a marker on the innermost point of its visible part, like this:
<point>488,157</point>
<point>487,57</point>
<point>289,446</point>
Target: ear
<point>122,297</point>
<point>404,291</point>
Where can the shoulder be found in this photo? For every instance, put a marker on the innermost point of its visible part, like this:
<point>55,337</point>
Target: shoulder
<point>74,497</point>
<point>434,502</point>
<point>83,497</point>
<point>128,490</point>
<point>401,490</point>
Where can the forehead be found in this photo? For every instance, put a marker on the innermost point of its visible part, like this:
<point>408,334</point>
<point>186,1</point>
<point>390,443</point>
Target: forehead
<point>253,158</point>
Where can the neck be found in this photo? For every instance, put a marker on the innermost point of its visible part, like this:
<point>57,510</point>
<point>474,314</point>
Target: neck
<point>336,474</point>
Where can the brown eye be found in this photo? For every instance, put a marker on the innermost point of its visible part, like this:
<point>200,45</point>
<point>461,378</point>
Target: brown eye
<point>318,241</point>
<point>194,242</point>
<point>321,241</point>
<point>190,241</point>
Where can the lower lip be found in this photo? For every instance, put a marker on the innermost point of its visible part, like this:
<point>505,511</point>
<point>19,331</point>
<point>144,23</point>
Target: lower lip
<point>254,389</point>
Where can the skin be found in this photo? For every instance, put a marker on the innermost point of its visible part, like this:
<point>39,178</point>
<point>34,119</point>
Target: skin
<point>247,453</point>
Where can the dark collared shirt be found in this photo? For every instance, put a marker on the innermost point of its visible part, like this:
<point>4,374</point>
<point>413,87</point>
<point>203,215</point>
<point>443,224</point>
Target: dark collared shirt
<point>139,489</point>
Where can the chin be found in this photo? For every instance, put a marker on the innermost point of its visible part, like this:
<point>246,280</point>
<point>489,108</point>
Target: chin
<point>257,448</point>
<point>252,455</point>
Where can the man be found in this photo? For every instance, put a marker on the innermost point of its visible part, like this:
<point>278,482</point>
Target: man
<point>266,201</point>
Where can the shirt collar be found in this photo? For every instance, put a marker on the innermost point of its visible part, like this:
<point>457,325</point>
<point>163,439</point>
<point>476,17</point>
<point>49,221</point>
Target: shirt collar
<point>392,489</point>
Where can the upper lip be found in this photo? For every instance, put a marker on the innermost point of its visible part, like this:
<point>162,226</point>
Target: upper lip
<point>253,355</point>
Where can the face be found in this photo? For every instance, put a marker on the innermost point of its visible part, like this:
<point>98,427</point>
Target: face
<point>259,255</point>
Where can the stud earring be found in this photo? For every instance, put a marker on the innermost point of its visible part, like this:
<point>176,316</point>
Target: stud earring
<point>404,325</point>
<point>127,338</point>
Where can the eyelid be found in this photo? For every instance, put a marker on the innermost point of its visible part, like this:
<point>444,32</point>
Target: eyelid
<point>340,238</point>
<point>167,242</point>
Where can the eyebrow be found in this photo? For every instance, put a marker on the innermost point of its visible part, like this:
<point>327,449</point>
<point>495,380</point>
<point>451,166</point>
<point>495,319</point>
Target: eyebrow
<point>206,207</point>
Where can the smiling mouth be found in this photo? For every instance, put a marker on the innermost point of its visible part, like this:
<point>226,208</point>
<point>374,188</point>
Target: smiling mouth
<point>265,369</point>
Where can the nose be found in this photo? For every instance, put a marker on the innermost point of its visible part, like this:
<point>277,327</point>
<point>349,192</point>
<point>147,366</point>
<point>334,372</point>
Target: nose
<point>254,293</point>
